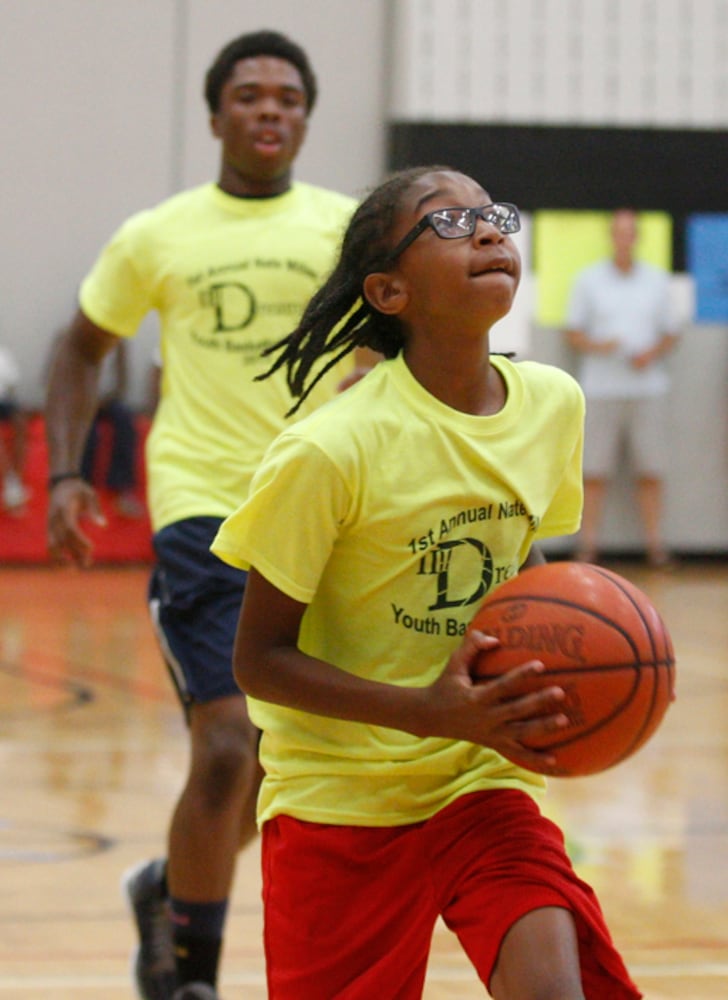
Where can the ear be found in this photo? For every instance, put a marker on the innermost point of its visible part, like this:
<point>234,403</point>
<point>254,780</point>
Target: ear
<point>215,124</point>
<point>385,292</point>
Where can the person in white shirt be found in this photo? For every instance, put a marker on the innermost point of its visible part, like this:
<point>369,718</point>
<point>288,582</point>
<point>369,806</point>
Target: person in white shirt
<point>619,323</point>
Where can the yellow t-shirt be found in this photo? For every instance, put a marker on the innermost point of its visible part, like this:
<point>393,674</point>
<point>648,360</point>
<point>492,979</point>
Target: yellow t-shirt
<point>228,277</point>
<point>392,516</point>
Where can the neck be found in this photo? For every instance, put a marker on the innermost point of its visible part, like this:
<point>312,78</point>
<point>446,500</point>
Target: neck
<point>239,185</point>
<point>462,378</point>
<point>624,262</point>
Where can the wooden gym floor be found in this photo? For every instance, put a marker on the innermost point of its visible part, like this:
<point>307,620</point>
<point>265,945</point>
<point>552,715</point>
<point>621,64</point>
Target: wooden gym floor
<point>93,754</point>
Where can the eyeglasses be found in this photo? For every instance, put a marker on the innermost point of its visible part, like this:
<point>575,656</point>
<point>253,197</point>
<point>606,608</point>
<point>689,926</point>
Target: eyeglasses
<point>454,223</point>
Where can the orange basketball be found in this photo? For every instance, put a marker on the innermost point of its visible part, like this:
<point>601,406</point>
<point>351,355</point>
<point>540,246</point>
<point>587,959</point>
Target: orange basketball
<point>601,640</point>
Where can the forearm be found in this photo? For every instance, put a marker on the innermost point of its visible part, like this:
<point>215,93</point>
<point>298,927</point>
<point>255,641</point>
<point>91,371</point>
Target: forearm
<point>292,679</point>
<point>72,395</point>
<point>582,343</point>
<point>71,403</point>
<point>269,665</point>
<point>665,344</point>
<point>659,350</point>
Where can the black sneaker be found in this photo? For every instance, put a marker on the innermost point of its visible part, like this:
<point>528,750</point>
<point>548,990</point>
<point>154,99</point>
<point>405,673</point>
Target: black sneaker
<point>155,973</point>
<point>196,991</point>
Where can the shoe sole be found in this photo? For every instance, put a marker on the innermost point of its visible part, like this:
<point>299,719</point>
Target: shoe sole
<point>126,882</point>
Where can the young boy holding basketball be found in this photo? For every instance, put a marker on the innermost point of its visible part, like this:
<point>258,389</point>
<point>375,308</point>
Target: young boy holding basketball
<point>373,530</point>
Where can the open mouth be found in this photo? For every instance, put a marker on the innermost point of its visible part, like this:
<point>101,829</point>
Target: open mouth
<point>268,142</point>
<point>492,269</point>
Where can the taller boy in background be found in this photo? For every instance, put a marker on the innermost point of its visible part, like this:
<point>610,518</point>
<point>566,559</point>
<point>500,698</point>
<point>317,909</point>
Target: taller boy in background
<point>229,267</point>
<point>620,325</point>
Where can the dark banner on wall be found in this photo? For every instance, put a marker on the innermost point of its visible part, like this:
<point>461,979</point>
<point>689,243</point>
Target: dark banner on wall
<point>679,171</point>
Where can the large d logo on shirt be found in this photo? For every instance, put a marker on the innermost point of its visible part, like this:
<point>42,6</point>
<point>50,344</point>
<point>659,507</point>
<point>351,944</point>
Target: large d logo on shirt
<point>462,554</point>
<point>234,306</point>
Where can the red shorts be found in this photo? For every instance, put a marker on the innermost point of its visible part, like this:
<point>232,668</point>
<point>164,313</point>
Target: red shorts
<point>350,911</point>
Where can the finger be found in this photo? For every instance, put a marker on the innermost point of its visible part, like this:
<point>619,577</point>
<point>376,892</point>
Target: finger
<point>474,643</point>
<point>517,681</point>
<point>527,731</point>
<point>533,704</point>
<point>462,661</point>
<point>525,737</point>
<point>74,550</point>
<point>541,761</point>
<point>92,509</point>
<point>85,504</point>
<point>67,542</point>
<point>80,546</point>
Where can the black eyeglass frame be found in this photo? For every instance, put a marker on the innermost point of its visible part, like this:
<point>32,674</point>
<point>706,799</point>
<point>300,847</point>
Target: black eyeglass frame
<point>511,223</point>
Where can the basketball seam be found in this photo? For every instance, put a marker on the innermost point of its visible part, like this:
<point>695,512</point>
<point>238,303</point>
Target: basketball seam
<point>669,663</point>
<point>563,602</point>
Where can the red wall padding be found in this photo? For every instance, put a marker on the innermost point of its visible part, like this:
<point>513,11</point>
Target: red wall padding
<point>23,534</point>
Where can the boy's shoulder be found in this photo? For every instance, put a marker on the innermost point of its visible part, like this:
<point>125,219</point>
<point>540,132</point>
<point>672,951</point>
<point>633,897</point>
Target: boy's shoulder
<point>323,201</point>
<point>183,205</point>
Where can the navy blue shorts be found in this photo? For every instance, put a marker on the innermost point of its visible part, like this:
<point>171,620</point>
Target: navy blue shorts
<point>195,599</point>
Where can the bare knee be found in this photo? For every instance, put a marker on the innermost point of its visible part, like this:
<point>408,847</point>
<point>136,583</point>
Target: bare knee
<point>539,959</point>
<point>224,752</point>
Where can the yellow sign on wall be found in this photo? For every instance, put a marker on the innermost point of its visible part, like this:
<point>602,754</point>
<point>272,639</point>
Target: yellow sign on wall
<point>566,242</point>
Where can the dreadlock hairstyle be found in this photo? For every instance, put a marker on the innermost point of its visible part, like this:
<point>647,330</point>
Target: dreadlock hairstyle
<point>338,318</point>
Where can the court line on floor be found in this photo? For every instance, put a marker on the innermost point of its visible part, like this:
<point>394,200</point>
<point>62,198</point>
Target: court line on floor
<point>697,970</point>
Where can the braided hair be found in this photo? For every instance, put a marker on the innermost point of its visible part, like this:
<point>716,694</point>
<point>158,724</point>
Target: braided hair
<point>338,318</point>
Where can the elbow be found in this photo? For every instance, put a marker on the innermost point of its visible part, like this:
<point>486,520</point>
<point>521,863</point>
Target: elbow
<point>250,673</point>
<point>244,676</point>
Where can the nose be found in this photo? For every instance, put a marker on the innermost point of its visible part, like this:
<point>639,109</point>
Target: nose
<point>269,108</point>
<point>487,232</point>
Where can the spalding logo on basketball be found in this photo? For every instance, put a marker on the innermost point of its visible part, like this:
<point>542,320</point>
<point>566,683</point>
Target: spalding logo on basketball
<point>601,640</point>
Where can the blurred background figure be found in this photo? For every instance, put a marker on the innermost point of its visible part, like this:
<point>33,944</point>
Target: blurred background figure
<point>13,436</point>
<point>619,323</point>
<point>120,474</point>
